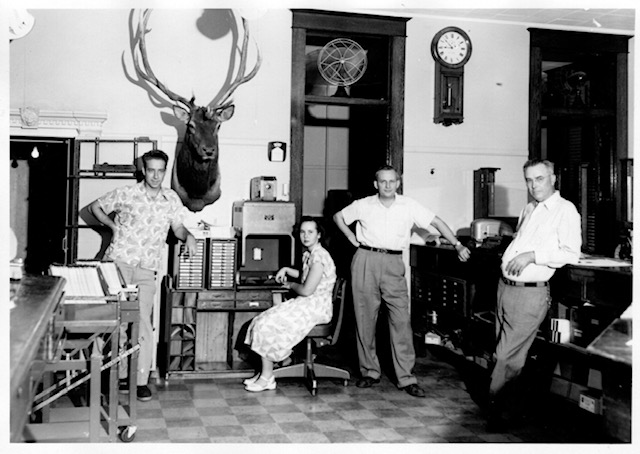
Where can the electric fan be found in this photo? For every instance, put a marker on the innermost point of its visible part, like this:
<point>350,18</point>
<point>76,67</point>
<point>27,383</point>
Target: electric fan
<point>342,62</point>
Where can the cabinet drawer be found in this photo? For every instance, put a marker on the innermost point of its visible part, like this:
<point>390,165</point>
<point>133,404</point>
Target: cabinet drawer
<point>216,299</point>
<point>216,295</point>
<point>254,299</point>
<point>248,295</point>
<point>215,304</point>
<point>256,304</point>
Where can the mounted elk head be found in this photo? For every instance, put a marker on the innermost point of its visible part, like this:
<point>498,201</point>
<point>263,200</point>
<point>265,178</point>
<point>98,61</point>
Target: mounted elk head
<point>196,174</point>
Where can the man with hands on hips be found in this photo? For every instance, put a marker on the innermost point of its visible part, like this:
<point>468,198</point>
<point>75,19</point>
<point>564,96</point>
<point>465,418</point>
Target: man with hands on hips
<point>144,212</point>
<point>383,231</point>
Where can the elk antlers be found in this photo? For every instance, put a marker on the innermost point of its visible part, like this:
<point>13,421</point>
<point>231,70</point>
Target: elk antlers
<point>148,75</point>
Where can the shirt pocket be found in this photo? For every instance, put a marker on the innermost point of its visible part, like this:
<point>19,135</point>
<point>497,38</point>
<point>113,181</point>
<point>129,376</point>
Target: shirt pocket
<point>398,225</point>
<point>546,233</point>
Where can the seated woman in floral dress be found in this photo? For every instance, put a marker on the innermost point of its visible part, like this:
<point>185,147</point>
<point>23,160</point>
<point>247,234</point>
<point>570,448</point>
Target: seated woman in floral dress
<point>273,333</point>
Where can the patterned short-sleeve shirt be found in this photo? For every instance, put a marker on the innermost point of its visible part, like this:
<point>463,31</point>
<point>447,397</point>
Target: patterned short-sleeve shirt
<point>320,255</point>
<point>142,223</point>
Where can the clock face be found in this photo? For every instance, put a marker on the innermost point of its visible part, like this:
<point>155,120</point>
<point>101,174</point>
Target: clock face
<point>451,47</point>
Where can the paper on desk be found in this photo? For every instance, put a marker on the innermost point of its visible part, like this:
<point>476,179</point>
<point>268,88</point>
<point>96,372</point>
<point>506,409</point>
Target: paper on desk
<point>602,262</point>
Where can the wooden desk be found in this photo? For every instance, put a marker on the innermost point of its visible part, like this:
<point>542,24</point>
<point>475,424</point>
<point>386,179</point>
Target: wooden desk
<point>37,303</point>
<point>201,329</point>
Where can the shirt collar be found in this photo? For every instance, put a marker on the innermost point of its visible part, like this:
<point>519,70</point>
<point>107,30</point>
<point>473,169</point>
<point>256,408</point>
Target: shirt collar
<point>379,202</point>
<point>143,191</point>
<point>551,201</point>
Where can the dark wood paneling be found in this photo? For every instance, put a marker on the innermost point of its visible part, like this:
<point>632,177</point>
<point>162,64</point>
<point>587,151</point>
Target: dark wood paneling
<point>578,41</point>
<point>535,100</point>
<point>396,108</point>
<point>338,22</point>
<point>297,118</point>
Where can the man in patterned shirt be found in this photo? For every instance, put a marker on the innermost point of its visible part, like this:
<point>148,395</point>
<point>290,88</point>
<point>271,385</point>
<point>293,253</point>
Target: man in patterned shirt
<point>143,214</point>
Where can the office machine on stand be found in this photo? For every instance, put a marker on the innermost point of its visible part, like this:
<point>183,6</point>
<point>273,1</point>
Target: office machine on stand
<point>208,299</point>
<point>85,342</point>
<point>453,302</point>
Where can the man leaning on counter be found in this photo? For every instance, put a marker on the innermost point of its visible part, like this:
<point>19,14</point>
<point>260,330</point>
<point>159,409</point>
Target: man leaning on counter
<point>548,236</point>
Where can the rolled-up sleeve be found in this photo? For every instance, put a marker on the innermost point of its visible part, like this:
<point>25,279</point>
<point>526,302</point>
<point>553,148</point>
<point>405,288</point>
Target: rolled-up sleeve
<point>351,212</point>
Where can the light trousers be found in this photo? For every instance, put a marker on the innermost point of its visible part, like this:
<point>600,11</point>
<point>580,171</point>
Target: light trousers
<point>375,277</point>
<point>145,280</point>
<point>519,313</point>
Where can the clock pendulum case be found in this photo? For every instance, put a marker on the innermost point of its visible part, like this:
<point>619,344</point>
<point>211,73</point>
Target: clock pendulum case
<point>451,50</point>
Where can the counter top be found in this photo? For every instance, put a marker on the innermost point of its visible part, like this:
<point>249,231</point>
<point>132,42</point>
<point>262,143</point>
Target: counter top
<point>35,300</point>
<point>614,342</point>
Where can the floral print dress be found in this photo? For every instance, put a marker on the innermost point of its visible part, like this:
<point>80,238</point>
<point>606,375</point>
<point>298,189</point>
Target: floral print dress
<point>273,333</point>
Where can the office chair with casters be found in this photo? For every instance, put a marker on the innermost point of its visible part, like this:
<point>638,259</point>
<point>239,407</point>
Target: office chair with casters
<point>320,335</point>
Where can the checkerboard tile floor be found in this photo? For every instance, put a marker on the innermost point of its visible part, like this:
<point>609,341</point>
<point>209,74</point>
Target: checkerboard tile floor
<point>221,411</point>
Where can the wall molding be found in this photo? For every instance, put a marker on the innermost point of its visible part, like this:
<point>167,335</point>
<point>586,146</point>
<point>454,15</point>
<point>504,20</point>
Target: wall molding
<point>33,121</point>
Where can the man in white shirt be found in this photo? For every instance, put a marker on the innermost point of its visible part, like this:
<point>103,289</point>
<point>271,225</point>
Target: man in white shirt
<point>548,237</point>
<point>383,231</point>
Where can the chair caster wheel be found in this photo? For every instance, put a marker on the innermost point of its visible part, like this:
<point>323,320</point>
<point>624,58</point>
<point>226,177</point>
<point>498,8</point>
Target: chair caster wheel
<point>127,433</point>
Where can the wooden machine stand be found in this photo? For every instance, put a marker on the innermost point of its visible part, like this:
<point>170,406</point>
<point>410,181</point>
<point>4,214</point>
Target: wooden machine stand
<point>205,313</point>
<point>78,339</point>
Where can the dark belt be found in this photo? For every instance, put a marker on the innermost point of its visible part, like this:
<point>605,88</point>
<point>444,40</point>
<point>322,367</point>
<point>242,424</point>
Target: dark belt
<point>524,284</point>
<point>383,251</point>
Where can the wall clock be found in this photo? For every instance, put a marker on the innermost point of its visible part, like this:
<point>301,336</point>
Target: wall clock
<point>451,50</point>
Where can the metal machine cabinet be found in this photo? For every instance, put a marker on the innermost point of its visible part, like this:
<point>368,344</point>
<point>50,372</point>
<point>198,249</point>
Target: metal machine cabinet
<point>265,231</point>
<point>453,298</point>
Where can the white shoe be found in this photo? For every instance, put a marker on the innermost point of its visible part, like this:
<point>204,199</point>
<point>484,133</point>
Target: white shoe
<point>262,385</point>
<point>248,381</point>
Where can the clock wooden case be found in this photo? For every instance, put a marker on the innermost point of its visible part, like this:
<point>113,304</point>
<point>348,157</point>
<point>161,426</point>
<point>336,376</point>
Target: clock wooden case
<point>451,50</point>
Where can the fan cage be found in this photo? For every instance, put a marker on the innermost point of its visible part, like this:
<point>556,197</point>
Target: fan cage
<point>342,62</point>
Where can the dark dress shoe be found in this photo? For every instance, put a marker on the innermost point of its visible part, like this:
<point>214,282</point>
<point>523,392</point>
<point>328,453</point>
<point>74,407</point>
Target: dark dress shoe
<point>495,422</point>
<point>414,390</point>
<point>367,382</point>
<point>143,393</point>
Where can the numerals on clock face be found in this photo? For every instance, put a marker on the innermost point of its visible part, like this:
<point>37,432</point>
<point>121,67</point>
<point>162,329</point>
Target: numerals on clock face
<point>452,48</point>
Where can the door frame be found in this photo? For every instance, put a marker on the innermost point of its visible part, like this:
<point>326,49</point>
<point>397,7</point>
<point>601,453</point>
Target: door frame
<point>582,43</point>
<point>329,21</point>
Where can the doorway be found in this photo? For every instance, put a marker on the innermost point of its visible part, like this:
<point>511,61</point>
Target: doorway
<point>578,119</point>
<point>38,200</point>
<point>344,127</point>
